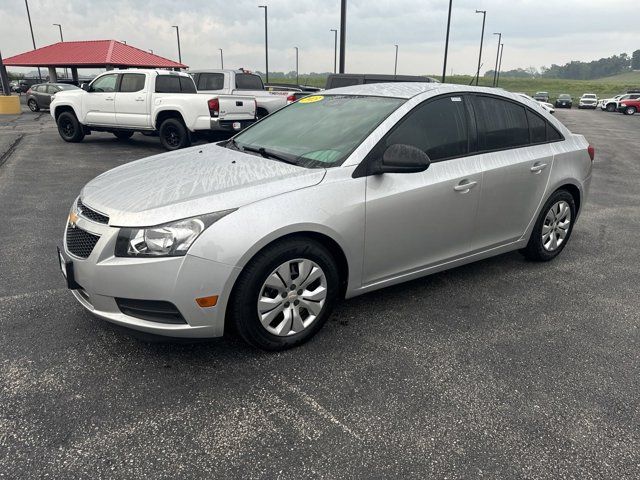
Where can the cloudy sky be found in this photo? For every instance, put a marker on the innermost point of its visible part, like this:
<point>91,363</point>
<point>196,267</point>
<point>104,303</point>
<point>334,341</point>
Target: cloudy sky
<point>536,32</point>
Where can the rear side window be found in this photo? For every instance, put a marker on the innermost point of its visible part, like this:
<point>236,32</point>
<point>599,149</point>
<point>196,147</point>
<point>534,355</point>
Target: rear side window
<point>187,85</point>
<point>132,82</point>
<point>247,81</point>
<point>537,127</point>
<point>167,84</point>
<point>553,135</point>
<point>211,81</point>
<point>501,124</point>
<point>439,128</point>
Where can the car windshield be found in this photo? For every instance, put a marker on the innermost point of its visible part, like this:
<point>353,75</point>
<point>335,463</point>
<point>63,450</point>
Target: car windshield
<point>588,95</point>
<point>317,131</point>
<point>564,96</point>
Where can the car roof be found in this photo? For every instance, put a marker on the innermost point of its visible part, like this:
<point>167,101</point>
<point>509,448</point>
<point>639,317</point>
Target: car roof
<point>411,89</point>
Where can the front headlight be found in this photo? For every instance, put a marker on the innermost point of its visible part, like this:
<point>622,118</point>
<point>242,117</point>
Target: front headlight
<point>623,104</point>
<point>167,240</point>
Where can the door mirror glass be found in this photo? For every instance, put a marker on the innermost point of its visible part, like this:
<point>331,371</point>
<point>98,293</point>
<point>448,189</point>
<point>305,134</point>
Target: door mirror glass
<point>403,158</point>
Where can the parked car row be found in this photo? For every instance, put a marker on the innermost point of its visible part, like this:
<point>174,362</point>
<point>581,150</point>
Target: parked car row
<point>623,103</point>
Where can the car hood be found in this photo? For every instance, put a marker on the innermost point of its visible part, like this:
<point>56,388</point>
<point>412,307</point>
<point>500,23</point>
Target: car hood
<point>190,182</point>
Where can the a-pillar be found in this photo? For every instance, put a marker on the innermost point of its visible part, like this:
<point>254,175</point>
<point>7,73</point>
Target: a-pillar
<point>53,76</point>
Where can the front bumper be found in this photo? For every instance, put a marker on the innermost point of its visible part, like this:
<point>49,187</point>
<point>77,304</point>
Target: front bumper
<point>101,278</point>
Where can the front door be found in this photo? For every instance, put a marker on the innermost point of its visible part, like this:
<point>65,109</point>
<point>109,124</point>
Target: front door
<point>417,220</point>
<point>99,105</point>
<point>132,101</point>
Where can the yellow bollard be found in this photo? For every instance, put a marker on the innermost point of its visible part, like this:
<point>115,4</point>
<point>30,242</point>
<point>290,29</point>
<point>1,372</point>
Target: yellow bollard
<point>9,105</point>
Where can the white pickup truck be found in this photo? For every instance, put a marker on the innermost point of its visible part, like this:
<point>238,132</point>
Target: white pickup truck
<point>150,101</point>
<point>241,82</point>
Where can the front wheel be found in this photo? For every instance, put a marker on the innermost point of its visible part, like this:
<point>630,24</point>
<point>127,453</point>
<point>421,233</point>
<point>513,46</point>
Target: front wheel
<point>173,134</point>
<point>69,128</point>
<point>33,105</point>
<point>285,294</point>
<point>630,111</point>
<point>552,229</point>
<point>611,107</point>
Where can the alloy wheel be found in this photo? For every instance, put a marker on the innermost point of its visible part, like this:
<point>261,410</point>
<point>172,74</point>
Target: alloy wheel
<point>33,106</point>
<point>292,297</point>
<point>556,226</point>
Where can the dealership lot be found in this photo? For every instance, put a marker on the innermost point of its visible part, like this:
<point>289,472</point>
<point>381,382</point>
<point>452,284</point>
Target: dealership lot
<point>499,369</point>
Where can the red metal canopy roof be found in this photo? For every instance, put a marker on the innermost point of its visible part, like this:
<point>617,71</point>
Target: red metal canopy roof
<point>91,53</point>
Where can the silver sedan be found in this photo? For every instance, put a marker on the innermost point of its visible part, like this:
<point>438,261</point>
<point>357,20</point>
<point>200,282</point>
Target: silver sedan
<point>331,197</point>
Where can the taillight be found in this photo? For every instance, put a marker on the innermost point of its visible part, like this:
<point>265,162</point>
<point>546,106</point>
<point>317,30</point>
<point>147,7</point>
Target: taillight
<point>291,99</point>
<point>214,107</point>
<point>592,152</point>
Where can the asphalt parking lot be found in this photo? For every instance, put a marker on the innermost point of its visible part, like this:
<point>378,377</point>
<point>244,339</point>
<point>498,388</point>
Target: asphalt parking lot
<point>499,369</point>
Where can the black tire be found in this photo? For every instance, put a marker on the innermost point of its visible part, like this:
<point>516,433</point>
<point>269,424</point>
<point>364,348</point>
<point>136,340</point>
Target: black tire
<point>630,111</point>
<point>261,113</point>
<point>123,134</point>
<point>33,105</point>
<point>535,249</point>
<point>610,107</point>
<point>173,134</point>
<point>69,128</point>
<point>242,310</point>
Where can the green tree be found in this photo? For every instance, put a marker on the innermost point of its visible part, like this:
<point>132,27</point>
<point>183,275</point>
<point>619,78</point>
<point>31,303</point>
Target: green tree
<point>635,60</point>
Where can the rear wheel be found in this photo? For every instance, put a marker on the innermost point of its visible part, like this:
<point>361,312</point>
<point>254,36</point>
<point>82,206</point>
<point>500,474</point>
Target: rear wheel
<point>33,105</point>
<point>552,229</point>
<point>123,135</point>
<point>630,111</point>
<point>285,294</point>
<point>69,128</point>
<point>173,134</point>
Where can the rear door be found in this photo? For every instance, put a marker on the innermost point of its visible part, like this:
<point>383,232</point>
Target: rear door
<point>516,160</point>
<point>416,220</point>
<point>132,105</point>
<point>99,103</point>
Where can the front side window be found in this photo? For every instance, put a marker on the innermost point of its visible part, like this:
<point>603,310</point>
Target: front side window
<point>106,83</point>
<point>501,124</point>
<point>51,89</point>
<point>132,82</point>
<point>248,81</point>
<point>438,128</point>
<point>319,130</point>
<point>211,81</point>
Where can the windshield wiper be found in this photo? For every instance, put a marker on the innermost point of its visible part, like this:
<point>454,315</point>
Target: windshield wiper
<point>269,154</point>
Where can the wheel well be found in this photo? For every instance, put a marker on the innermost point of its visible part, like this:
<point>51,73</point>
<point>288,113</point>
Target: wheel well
<point>162,116</point>
<point>261,112</point>
<point>63,108</point>
<point>575,193</point>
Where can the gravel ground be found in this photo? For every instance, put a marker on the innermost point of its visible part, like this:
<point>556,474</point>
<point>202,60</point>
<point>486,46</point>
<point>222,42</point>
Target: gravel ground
<point>499,369</point>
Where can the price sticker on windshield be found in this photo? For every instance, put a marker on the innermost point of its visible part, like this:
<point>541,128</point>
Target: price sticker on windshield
<point>312,99</point>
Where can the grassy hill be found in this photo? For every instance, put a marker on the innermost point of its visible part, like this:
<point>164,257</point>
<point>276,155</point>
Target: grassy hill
<point>632,78</point>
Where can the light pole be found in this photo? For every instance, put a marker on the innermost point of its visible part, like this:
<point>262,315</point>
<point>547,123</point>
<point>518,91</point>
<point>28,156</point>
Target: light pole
<point>178,37</point>
<point>335,49</point>
<point>33,39</point>
<point>221,59</point>
<point>500,63</point>
<point>297,81</point>
<point>266,43</point>
<point>484,18</point>
<point>495,71</point>
<point>343,32</point>
<point>66,74</point>
<point>395,67</point>
<point>446,44</point>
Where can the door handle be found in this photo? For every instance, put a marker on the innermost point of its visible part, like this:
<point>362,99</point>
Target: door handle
<point>538,167</point>
<point>464,186</point>
<point>109,99</point>
<point>139,99</point>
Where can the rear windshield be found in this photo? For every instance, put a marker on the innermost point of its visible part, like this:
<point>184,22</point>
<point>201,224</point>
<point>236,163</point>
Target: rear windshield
<point>248,81</point>
<point>319,131</point>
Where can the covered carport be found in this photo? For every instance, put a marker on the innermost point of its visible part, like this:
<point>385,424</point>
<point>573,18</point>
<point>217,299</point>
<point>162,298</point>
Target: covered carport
<point>108,54</point>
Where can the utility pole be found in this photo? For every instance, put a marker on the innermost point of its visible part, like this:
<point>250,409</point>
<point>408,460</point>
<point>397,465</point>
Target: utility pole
<point>335,49</point>
<point>297,81</point>
<point>484,18</point>
<point>266,43</point>
<point>500,63</point>
<point>33,39</point>
<point>343,32</point>
<point>221,59</point>
<point>395,68</point>
<point>178,36</point>
<point>66,74</point>
<point>495,71</point>
<point>446,44</point>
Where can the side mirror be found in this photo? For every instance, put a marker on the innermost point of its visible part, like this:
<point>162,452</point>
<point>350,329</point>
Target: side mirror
<point>402,158</point>
<point>85,87</point>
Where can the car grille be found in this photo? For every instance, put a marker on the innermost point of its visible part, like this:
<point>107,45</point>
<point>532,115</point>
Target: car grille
<point>90,214</point>
<point>151,310</point>
<point>80,242</point>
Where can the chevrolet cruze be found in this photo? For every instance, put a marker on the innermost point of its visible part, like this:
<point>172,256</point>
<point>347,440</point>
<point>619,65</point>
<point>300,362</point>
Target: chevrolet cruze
<point>333,196</point>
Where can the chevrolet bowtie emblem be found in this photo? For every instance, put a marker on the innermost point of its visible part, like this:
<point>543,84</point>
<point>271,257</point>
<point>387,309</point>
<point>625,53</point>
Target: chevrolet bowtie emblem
<point>73,219</point>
